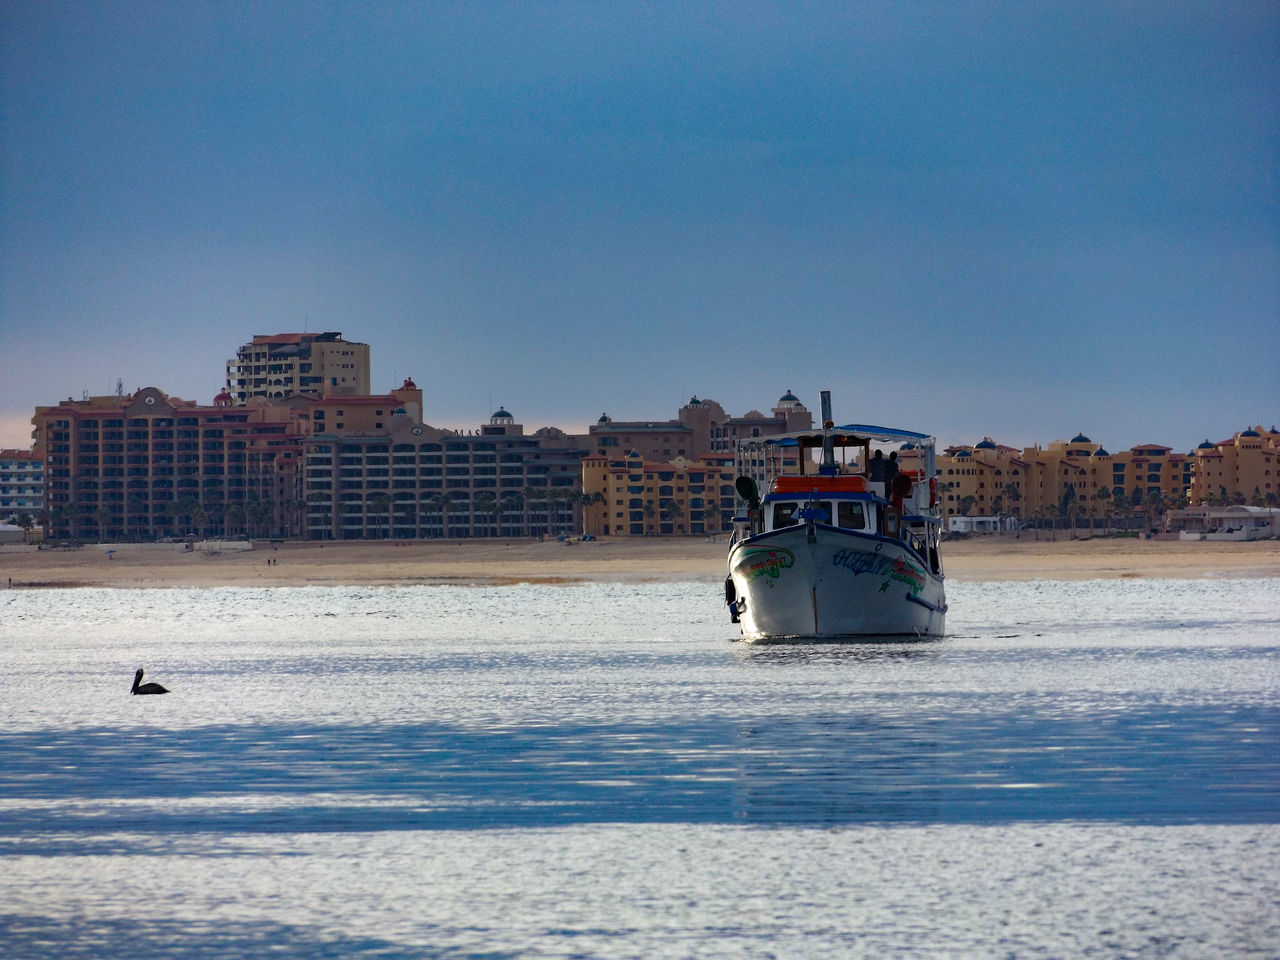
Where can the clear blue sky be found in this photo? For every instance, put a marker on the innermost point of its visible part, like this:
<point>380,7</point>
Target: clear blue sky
<point>1017,219</point>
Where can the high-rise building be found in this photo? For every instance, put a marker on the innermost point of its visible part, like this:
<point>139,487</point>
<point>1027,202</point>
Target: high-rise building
<point>21,483</point>
<point>280,365</point>
<point>149,465</point>
<point>408,480</point>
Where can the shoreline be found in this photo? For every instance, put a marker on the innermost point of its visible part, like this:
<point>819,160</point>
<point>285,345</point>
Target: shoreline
<point>505,562</point>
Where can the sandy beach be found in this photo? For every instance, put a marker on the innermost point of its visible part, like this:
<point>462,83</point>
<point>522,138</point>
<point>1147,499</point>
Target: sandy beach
<point>524,561</point>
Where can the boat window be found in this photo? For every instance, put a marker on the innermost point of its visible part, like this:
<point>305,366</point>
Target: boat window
<point>784,515</point>
<point>852,516</point>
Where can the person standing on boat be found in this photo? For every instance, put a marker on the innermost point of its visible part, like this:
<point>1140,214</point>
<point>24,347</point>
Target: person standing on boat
<point>876,468</point>
<point>890,470</point>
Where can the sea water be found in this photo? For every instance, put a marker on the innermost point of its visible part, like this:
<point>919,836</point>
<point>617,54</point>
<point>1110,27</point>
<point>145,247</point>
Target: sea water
<point>1077,770</point>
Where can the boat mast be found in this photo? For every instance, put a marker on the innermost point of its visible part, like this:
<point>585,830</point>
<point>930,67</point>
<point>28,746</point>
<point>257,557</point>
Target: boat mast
<point>828,468</point>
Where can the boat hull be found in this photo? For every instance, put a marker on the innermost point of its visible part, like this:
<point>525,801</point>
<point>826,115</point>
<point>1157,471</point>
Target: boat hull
<point>817,582</point>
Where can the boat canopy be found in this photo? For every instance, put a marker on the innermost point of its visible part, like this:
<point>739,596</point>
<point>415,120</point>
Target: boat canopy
<point>854,433</point>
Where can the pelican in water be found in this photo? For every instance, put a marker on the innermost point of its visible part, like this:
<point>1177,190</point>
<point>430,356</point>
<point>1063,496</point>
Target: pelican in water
<point>140,687</point>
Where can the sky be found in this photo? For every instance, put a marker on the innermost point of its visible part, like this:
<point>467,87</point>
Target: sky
<point>971,219</point>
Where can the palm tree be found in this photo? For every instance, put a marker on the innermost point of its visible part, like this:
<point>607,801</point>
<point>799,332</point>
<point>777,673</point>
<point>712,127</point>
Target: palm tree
<point>532,495</point>
<point>589,500</point>
<point>513,501</point>
<point>102,515</point>
<point>670,512</point>
<point>561,502</point>
<point>26,522</point>
<point>486,504</point>
<point>1119,504</point>
<point>380,506</point>
<point>260,514</point>
<point>1155,506</point>
<point>712,514</point>
<point>183,507</point>
<point>442,502</point>
<point>1103,499</point>
<point>235,517</point>
<point>199,517</point>
<point>1011,495</point>
<point>407,507</point>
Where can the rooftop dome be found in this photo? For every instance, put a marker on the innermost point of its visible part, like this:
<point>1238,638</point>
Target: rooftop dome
<point>1250,433</point>
<point>604,418</point>
<point>1205,446</point>
<point>985,444</point>
<point>501,414</point>
<point>1101,452</point>
<point>1081,438</point>
<point>788,397</point>
<point>963,453</point>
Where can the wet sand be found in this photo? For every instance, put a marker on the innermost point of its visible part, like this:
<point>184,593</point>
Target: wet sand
<point>525,561</point>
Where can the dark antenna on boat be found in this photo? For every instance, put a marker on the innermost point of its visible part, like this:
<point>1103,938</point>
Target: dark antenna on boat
<point>828,467</point>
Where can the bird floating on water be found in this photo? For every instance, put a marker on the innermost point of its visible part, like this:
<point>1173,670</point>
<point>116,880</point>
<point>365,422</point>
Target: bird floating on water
<point>140,687</point>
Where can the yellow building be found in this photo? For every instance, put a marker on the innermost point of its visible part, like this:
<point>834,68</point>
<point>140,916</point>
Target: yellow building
<point>1073,480</point>
<point>280,365</point>
<point>1244,469</point>
<point>630,496</point>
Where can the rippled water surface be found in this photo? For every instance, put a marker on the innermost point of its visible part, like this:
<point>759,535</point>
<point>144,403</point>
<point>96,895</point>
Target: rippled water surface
<point>1079,769</point>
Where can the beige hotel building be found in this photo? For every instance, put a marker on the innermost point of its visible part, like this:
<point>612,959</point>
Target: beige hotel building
<point>990,479</point>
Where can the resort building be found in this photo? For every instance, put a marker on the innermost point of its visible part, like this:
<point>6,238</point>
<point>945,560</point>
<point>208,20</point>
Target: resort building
<point>411,480</point>
<point>1075,480</point>
<point>701,427</point>
<point>21,484</point>
<point>1244,469</point>
<point>280,365</point>
<point>1080,481</point>
<point>631,496</point>
<point>150,465</point>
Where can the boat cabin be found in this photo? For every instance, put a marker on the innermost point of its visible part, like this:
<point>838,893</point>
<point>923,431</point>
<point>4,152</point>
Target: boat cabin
<point>840,501</point>
<point>847,502</point>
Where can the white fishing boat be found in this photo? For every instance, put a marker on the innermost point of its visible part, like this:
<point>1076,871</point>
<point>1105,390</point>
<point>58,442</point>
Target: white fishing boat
<point>845,546</point>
